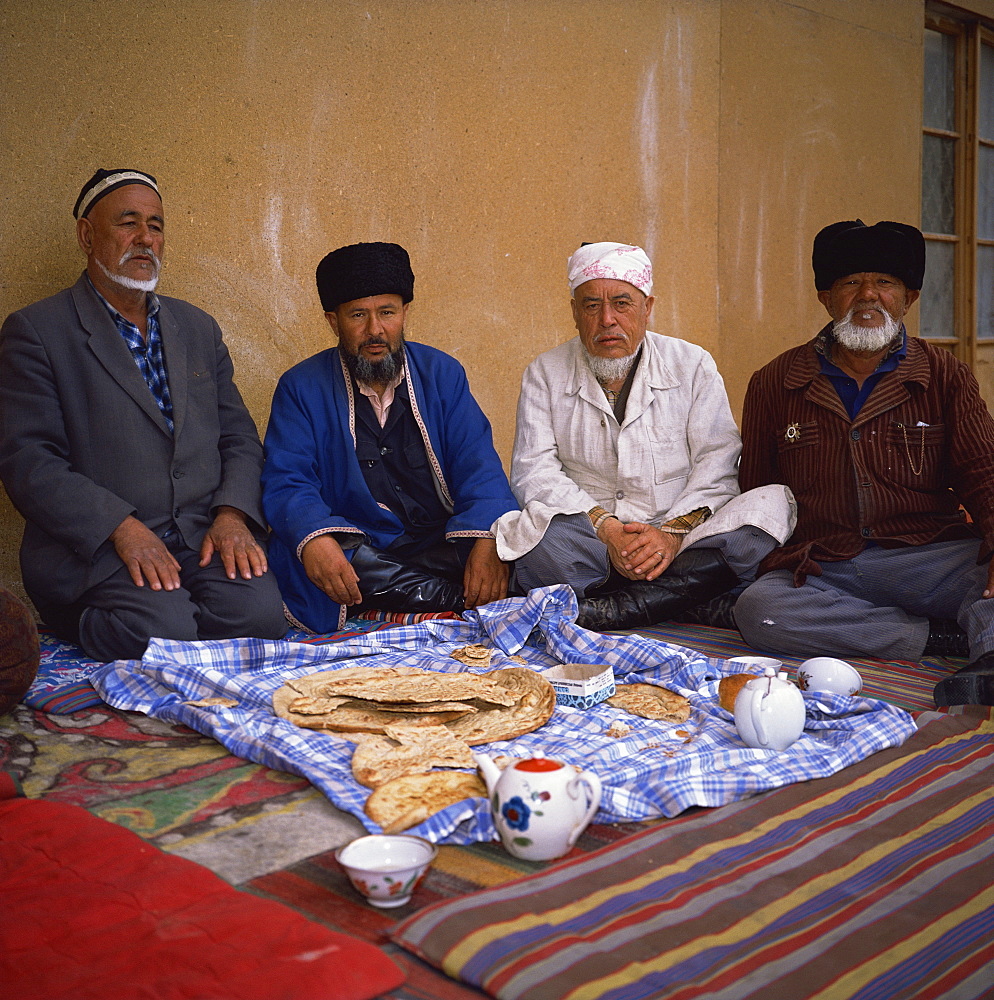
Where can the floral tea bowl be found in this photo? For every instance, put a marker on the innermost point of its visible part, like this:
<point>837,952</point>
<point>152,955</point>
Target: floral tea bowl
<point>386,868</point>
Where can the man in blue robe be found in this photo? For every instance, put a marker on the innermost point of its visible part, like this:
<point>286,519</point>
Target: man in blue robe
<point>381,481</point>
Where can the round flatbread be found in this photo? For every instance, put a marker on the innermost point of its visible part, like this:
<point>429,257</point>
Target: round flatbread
<point>407,750</point>
<point>405,802</point>
<point>500,705</point>
<point>650,702</point>
<point>412,685</point>
<point>534,707</point>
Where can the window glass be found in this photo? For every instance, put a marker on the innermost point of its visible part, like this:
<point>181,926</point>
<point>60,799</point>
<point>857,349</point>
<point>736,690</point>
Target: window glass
<point>938,192</point>
<point>985,293</point>
<point>986,91</point>
<point>940,90</point>
<point>985,192</point>
<point>936,300</point>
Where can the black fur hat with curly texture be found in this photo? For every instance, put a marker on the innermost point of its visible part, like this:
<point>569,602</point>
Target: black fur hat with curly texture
<point>364,269</point>
<point>853,247</point>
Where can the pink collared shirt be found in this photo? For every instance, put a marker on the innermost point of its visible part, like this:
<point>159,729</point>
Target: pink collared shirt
<point>381,404</point>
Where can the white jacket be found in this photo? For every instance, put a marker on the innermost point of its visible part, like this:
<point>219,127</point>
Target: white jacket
<point>677,449</point>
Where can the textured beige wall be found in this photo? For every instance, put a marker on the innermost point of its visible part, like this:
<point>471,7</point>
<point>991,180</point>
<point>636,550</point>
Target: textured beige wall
<point>820,121</point>
<point>490,138</point>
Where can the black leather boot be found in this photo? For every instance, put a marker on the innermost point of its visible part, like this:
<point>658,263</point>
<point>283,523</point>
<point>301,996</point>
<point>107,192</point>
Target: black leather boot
<point>391,584</point>
<point>970,685</point>
<point>716,613</point>
<point>945,638</point>
<point>692,578</point>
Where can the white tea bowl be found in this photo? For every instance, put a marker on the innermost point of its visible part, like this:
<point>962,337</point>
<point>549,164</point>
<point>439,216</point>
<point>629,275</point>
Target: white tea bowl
<point>754,664</point>
<point>386,868</point>
<point>826,673</point>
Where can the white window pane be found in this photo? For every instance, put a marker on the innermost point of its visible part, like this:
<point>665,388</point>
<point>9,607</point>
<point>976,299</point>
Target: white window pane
<point>985,293</point>
<point>985,192</point>
<point>940,92</point>
<point>937,292</point>
<point>938,179</point>
<point>986,92</point>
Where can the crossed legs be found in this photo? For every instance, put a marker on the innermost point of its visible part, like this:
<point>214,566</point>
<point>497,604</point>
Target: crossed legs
<point>877,604</point>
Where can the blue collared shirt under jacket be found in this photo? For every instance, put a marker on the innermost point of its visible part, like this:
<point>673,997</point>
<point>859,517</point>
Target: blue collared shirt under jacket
<point>147,352</point>
<point>852,394</point>
<point>312,482</point>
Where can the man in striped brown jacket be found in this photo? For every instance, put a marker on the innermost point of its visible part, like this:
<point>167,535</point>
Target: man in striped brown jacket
<point>888,448</point>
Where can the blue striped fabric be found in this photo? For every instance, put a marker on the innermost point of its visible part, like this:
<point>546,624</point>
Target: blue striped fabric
<point>658,769</point>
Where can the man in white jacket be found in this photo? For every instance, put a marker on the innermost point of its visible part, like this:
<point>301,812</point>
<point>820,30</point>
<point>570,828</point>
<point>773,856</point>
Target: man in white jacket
<point>625,462</point>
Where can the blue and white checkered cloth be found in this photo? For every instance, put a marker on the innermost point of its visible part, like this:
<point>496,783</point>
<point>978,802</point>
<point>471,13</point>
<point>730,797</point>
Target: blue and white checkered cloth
<point>658,769</point>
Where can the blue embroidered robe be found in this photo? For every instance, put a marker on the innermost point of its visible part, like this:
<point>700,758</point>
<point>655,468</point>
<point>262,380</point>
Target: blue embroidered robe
<point>312,483</point>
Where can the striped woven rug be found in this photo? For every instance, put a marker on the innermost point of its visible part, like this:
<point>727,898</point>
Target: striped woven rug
<point>873,883</point>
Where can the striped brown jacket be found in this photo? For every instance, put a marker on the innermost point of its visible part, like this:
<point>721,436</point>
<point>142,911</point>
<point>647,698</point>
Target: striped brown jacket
<point>919,451</point>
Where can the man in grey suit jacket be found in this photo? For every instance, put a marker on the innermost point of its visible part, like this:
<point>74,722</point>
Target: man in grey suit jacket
<point>127,448</point>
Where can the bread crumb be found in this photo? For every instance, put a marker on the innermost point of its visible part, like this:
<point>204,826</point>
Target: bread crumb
<point>618,729</point>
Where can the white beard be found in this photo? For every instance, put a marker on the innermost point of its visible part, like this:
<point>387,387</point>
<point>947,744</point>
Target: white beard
<point>865,338</point>
<point>138,284</point>
<point>609,369</point>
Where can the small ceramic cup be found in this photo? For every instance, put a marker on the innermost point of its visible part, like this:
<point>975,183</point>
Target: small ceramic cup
<point>385,868</point>
<point>753,664</point>
<point>826,673</point>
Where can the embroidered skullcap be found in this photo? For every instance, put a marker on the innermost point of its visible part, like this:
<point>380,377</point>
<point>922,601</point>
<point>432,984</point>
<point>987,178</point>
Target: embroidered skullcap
<point>620,261</point>
<point>363,269</point>
<point>105,181</point>
<point>845,248</point>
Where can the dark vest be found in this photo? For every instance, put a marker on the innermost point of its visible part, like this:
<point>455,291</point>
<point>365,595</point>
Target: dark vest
<point>395,467</point>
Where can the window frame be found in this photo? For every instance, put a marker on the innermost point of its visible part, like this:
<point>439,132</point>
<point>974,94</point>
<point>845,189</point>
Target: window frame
<point>970,35</point>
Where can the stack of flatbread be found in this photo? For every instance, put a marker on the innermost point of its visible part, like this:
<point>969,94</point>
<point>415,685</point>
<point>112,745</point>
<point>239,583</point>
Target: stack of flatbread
<point>407,722</point>
<point>477,708</point>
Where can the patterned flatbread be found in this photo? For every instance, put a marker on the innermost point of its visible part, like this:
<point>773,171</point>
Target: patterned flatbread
<point>650,702</point>
<point>517,700</point>
<point>353,717</point>
<point>474,655</point>
<point>405,802</point>
<point>407,750</point>
<point>307,704</point>
<point>414,685</point>
<point>533,709</point>
<point>322,683</point>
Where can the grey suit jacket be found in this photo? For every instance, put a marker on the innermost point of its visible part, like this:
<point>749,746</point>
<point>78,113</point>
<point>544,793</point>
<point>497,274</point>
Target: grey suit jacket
<point>83,443</point>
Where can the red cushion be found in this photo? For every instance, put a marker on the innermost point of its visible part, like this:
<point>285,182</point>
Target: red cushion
<point>90,910</point>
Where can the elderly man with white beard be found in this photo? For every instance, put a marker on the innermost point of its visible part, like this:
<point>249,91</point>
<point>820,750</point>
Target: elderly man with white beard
<point>889,450</point>
<point>126,447</point>
<point>624,462</point>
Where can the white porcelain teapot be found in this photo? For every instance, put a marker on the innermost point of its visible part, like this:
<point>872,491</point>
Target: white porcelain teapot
<point>540,806</point>
<point>769,711</point>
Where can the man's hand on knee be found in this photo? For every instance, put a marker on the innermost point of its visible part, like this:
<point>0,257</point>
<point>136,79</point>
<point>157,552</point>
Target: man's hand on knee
<point>231,538</point>
<point>485,577</point>
<point>330,571</point>
<point>145,555</point>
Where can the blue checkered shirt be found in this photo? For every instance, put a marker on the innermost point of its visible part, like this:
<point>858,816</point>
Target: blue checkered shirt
<point>147,353</point>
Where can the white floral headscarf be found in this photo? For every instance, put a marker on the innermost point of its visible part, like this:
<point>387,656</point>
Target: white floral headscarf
<point>620,261</point>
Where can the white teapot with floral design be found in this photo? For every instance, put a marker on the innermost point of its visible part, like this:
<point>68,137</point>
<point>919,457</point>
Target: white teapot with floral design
<point>540,806</point>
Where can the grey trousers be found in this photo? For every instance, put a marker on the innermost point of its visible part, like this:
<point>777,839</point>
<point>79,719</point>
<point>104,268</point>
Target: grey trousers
<point>119,618</point>
<point>877,604</point>
<point>570,552</point>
